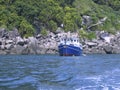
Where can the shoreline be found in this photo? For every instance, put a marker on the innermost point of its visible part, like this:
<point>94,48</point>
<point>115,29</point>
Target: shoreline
<point>12,43</point>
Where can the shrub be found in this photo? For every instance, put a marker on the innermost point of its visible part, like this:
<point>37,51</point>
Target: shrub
<point>26,29</point>
<point>44,32</point>
<point>52,26</point>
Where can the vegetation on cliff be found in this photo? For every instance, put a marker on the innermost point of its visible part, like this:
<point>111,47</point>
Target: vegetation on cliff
<point>31,16</point>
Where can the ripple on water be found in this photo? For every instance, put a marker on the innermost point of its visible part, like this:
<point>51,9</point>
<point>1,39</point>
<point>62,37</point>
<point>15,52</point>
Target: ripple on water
<point>4,80</point>
<point>15,82</point>
<point>108,81</point>
<point>93,72</point>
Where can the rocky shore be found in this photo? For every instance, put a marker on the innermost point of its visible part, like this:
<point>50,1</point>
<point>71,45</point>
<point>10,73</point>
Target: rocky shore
<point>12,43</point>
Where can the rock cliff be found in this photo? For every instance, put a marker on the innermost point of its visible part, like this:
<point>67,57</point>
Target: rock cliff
<point>12,43</point>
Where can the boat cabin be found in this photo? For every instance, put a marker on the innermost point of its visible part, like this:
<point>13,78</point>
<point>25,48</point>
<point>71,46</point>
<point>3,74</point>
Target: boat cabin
<point>70,41</point>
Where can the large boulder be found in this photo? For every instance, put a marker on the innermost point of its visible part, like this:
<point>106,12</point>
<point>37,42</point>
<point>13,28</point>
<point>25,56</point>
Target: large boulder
<point>105,36</point>
<point>9,41</point>
<point>2,52</point>
<point>41,50</point>
<point>2,47</point>
<point>8,46</point>
<point>33,45</point>
<point>91,44</point>
<point>116,50</point>
<point>25,50</point>
<point>19,41</point>
<point>51,51</point>
<point>108,49</point>
<point>13,34</point>
<point>17,49</point>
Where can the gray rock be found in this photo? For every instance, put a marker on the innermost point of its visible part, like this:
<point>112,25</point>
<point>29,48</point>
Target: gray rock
<point>13,34</point>
<point>50,51</point>
<point>103,35</point>
<point>86,20</point>
<point>19,41</point>
<point>108,49</point>
<point>0,41</point>
<point>52,35</point>
<point>116,50</point>
<point>2,47</point>
<point>59,30</point>
<point>49,44</point>
<point>17,49</point>
<point>9,41</point>
<point>8,46</point>
<point>32,45</point>
<point>91,44</point>
<point>2,52</point>
<point>41,51</point>
<point>39,37</point>
<point>3,32</point>
<point>26,50</point>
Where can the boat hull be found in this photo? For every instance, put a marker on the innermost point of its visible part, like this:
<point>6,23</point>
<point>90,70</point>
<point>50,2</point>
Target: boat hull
<point>69,50</point>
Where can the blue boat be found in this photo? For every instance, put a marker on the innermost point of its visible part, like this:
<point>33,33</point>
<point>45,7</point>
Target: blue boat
<point>70,47</point>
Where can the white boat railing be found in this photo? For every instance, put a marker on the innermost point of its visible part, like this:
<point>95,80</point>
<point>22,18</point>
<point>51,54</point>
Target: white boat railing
<point>70,41</point>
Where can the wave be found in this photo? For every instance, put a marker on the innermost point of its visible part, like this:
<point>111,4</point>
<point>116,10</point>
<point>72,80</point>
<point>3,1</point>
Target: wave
<point>107,81</point>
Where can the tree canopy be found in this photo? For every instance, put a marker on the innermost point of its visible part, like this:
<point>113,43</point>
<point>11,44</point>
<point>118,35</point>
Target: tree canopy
<point>29,15</point>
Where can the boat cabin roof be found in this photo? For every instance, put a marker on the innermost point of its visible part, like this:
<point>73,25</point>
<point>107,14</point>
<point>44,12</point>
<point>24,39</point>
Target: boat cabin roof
<point>70,39</point>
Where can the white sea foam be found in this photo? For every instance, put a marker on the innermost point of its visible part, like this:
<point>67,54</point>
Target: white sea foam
<point>87,88</point>
<point>106,81</point>
<point>116,88</point>
<point>105,88</point>
<point>94,78</point>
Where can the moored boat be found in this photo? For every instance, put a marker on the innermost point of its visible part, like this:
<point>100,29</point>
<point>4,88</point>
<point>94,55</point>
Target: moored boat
<point>70,46</point>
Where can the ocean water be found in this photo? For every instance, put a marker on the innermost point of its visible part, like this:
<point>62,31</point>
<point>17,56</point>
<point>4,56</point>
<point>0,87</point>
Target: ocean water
<point>53,72</point>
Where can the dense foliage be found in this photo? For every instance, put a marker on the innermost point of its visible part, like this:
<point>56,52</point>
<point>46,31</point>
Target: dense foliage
<point>31,15</point>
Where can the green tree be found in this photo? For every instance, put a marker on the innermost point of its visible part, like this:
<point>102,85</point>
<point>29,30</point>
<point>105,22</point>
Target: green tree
<point>52,25</point>
<point>115,4</point>
<point>44,32</point>
<point>71,19</point>
<point>26,29</point>
<point>50,10</point>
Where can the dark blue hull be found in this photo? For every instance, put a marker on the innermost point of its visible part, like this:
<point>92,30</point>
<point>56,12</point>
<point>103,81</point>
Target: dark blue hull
<point>69,50</point>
